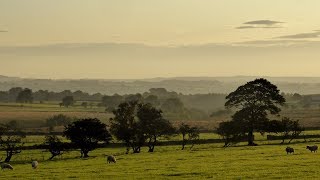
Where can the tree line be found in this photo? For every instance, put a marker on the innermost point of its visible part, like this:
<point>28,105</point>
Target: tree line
<point>256,104</point>
<point>174,105</point>
<point>134,123</point>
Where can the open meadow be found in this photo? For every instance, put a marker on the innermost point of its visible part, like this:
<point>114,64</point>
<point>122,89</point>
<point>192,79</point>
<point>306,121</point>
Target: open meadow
<point>205,161</point>
<point>202,162</point>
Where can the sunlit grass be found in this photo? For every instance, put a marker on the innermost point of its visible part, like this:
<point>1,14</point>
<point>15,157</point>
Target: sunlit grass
<point>204,161</point>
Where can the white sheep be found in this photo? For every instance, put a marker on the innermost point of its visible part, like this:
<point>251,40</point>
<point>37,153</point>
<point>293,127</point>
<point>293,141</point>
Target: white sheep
<point>111,159</point>
<point>35,164</point>
<point>6,166</point>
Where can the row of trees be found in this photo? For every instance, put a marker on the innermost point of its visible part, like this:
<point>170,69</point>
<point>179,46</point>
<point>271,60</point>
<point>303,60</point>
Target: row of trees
<point>135,124</point>
<point>197,106</point>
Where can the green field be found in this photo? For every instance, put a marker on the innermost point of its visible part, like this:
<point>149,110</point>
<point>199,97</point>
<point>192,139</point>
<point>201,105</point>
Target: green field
<point>266,161</point>
<point>168,162</point>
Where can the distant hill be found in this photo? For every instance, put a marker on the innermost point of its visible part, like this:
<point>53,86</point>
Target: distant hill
<point>185,85</point>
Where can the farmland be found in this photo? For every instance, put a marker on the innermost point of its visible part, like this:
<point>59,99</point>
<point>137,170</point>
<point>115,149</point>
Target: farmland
<point>204,161</point>
<point>268,160</point>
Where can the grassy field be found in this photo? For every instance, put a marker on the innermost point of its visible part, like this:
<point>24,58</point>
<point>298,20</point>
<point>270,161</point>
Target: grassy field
<point>168,162</point>
<point>266,161</point>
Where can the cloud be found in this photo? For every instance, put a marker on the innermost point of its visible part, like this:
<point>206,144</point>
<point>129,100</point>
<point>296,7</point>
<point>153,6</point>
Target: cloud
<point>257,27</point>
<point>314,34</point>
<point>263,22</point>
<point>260,24</point>
<point>280,42</point>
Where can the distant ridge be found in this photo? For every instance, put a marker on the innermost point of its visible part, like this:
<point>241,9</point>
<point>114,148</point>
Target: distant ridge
<point>185,85</point>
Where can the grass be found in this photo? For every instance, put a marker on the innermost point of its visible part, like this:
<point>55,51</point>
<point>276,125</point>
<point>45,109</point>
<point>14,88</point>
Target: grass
<point>207,161</point>
<point>203,162</point>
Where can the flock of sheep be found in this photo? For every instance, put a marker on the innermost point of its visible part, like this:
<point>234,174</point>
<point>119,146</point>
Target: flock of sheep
<point>34,164</point>
<point>290,150</point>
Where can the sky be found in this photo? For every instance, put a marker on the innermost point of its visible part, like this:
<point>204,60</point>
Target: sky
<point>158,38</point>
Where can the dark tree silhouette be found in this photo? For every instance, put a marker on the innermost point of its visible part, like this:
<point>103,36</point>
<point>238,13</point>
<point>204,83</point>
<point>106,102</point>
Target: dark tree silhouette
<point>254,101</point>
<point>287,128</point>
<point>189,135</point>
<point>231,132</point>
<point>153,125</point>
<point>68,101</point>
<point>125,126</point>
<point>86,133</point>
<point>11,140</point>
<point>54,145</point>
<point>25,96</point>
<point>134,123</point>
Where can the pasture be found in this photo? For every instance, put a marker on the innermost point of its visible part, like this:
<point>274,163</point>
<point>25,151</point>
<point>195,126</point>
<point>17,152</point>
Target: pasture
<point>202,162</point>
<point>266,161</point>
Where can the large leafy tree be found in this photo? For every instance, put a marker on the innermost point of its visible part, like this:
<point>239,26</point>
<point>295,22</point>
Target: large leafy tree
<point>125,127</point>
<point>153,125</point>
<point>134,123</point>
<point>254,101</point>
<point>11,139</point>
<point>86,134</point>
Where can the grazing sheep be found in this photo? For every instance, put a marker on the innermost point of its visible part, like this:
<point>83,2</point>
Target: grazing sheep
<point>35,164</point>
<point>111,159</point>
<point>313,148</point>
<point>6,166</point>
<point>289,150</point>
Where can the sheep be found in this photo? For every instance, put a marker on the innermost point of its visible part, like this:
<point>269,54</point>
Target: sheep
<point>35,164</point>
<point>312,148</point>
<point>111,159</point>
<point>6,166</point>
<point>289,150</point>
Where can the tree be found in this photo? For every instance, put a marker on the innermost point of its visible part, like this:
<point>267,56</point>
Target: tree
<point>231,132</point>
<point>54,145</point>
<point>153,125</point>
<point>134,97</point>
<point>125,127</point>
<point>289,129</point>
<point>25,96</point>
<point>134,123</point>
<point>84,104</point>
<point>13,93</point>
<point>86,134</point>
<point>254,101</point>
<point>152,99</point>
<point>111,101</point>
<point>68,101</point>
<point>193,134</point>
<point>173,105</point>
<point>11,140</point>
<point>58,120</point>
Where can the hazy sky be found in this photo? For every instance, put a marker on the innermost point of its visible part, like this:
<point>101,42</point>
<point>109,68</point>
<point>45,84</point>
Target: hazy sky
<point>31,25</point>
